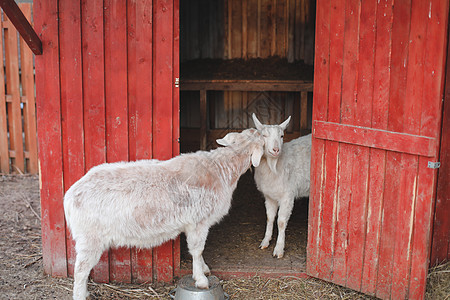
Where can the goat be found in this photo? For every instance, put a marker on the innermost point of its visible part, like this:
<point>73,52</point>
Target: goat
<point>282,176</point>
<point>145,203</point>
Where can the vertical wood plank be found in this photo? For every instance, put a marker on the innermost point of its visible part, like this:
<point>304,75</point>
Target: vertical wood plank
<point>176,119</point>
<point>140,108</point>
<point>411,124</point>
<point>303,110</point>
<point>296,112</point>
<point>116,103</point>
<point>299,28</point>
<point>387,232</point>
<point>360,172</point>
<point>204,29</point>
<point>49,135</point>
<point>290,54</point>
<point>252,28</point>
<point>29,109</point>
<point>92,30</point>
<point>329,190</point>
<point>377,157</point>
<point>236,29</point>
<point>227,30</point>
<point>13,89</point>
<point>203,119</point>
<point>71,102</point>
<point>435,54</point>
<point>194,47</point>
<point>163,11</point>
<point>273,27</point>
<point>390,243</point>
<point>244,30</point>
<point>265,28</point>
<point>321,83</point>
<point>344,225</point>
<point>132,63</point>
<point>4,148</point>
<point>280,34</point>
<point>440,249</point>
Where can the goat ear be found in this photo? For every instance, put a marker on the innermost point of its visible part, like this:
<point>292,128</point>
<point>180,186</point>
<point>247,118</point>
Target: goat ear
<point>285,123</point>
<point>258,124</point>
<point>227,140</point>
<point>257,153</point>
<point>222,142</point>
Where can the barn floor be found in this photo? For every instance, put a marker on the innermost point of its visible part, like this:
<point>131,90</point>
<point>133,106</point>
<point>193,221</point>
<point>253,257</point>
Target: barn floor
<point>232,244</point>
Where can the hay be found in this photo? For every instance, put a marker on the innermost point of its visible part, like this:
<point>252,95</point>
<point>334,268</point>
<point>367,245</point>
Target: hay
<point>287,288</point>
<point>438,282</point>
<point>259,288</point>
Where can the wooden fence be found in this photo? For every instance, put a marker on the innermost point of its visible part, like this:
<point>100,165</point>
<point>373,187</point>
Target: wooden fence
<point>18,143</point>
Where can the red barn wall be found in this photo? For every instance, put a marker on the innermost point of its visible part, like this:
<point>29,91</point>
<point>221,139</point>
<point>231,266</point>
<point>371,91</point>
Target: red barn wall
<point>377,108</point>
<point>105,93</point>
<point>440,249</point>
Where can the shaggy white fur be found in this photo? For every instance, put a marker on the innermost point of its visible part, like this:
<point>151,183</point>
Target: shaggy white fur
<point>282,176</point>
<point>148,202</point>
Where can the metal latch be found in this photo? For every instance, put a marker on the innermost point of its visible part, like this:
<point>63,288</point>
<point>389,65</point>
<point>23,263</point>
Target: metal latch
<point>434,165</point>
<point>177,82</point>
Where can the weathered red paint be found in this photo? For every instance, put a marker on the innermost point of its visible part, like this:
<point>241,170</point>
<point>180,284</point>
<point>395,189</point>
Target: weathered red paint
<point>163,14</point>
<point>94,101</point>
<point>322,63</point>
<point>375,138</point>
<point>372,192</point>
<point>116,104</point>
<point>140,108</point>
<point>49,135</point>
<point>434,63</point>
<point>440,250</point>
<point>105,94</point>
<point>71,104</point>
<point>378,157</point>
<point>176,116</point>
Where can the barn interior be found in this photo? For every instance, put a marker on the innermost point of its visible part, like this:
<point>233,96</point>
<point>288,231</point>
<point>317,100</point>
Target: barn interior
<point>239,58</point>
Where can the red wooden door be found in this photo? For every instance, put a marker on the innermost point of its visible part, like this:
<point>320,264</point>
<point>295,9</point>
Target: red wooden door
<point>379,72</point>
<point>105,93</point>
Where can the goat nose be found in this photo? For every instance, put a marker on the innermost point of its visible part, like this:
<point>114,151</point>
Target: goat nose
<point>276,150</point>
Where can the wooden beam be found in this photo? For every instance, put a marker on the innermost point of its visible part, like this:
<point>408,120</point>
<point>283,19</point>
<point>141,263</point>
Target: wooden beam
<point>246,85</point>
<point>22,25</point>
<point>375,138</point>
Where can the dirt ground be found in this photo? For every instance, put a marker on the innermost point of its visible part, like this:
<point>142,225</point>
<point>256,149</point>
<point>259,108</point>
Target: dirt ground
<point>21,271</point>
<point>233,244</point>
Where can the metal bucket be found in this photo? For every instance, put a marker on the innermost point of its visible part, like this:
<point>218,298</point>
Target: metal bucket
<point>186,290</point>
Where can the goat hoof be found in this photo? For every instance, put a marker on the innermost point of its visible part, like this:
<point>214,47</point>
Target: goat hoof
<point>202,283</point>
<point>264,245</point>
<point>278,253</point>
<point>206,270</point>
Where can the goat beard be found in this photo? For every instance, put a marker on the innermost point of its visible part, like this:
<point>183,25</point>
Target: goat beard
<point>272,163</point>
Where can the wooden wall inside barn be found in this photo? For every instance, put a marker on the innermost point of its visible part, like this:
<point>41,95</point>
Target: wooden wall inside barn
<point>229,29</point>
<point>249,29</point>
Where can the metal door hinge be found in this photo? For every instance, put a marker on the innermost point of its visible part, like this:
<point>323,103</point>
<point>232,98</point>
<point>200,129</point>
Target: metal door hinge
<point>177,82</point>
<point>434,165</point>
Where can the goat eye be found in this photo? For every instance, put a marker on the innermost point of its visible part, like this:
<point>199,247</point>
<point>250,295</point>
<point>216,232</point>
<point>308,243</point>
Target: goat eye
<point>282,136</point>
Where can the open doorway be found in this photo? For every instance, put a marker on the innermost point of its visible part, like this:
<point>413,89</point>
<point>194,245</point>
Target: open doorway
<point>236,58</point>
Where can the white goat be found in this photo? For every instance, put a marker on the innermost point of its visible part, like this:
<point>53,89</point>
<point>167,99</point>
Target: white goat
<point>148,202</point>
<point>282,176</point>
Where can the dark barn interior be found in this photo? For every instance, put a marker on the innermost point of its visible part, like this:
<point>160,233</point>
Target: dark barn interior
<point>236,58</point>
